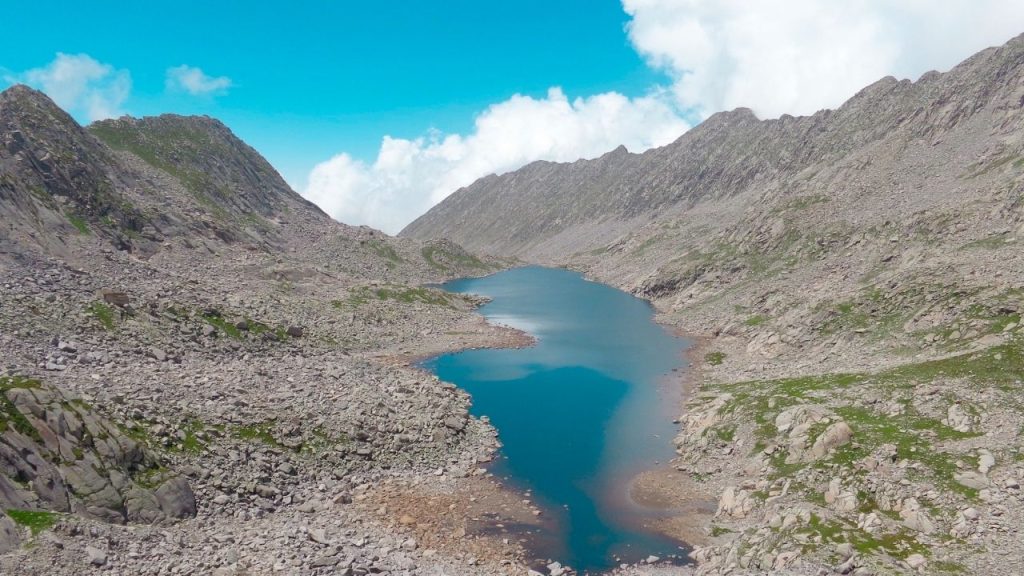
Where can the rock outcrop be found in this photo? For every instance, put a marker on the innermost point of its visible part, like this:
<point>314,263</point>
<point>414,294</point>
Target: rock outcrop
<point>56,454</point>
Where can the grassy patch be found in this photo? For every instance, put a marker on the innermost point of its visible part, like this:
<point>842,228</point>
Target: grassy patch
<point>725,433</point>
<point>915,435</point>
<point>899,544</point>
<point>909,432</point>
<point>151,478</point>
<point>441,258</point>
<point>10,416</point>
<point>192,443</point>
<point>984,167</point>
<point>800,203</point>
<point>717,531</point>
<point>714,358</point>
<point>78,222</point>
<point>403,294</point>
<point>756,320</point>
<point>261,432</point>
<point>947,567</point>
<point>34,520</point>
<point>323,440</point>
<point>385,251</point>
<point>992,242</point>
<point>220,323</point>
<point>103,313</point>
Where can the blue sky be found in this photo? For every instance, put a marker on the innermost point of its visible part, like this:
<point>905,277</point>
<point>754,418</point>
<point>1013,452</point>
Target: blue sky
<point>311,78</point>
<point>378,110</point>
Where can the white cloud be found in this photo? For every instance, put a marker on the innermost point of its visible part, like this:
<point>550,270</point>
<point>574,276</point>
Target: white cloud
<point>774,56</point>
<point>798,56</point>
<point>81,85</point>
<point>410,176</point>
<point>194,81</point>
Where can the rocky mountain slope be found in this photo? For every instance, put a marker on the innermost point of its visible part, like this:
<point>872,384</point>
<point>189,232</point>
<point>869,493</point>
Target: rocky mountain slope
<point>203,374</point>
<point>856,282</point>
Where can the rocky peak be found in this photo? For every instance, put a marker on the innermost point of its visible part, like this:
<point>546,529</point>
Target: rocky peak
<point>56,177</point>
<point>208,159</point>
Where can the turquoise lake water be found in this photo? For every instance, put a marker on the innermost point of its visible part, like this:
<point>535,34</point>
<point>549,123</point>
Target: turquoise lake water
<point>580,413</point>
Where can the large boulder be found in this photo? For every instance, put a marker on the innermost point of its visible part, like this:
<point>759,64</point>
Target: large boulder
<point>735,503</point>
<point>836,435</point>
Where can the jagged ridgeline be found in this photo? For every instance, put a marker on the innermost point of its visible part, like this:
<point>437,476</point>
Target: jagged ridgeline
<point>893,149</point>
<point>137,181</point>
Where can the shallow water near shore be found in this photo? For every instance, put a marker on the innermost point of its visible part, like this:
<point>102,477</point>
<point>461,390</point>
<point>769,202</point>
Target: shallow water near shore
<point>580,413</point>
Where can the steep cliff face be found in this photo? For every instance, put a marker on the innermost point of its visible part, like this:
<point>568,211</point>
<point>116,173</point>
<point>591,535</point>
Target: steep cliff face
<point>972,113</point>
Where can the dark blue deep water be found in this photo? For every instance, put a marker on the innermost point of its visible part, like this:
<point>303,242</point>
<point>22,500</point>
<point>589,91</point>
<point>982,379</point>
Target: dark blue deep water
<point>580,413</point>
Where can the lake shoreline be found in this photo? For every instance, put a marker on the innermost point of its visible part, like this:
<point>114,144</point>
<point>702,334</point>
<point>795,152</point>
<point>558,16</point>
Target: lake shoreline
<point>687,507</point>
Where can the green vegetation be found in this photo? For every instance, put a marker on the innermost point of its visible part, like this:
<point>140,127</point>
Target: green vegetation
<point>984,167</point>
<point>323,440</point>
<point>992,242</point>
<point>34,520</point>
<point>78,222</point>
<point>915,435</point>
<point>217,321</point>
<point>847,318</point>
<point>171,150</point>
<point>232,330</point>
<point>900,544</point>
<point>756,320</point>
<point>137,431</point>
<point>714,358</point>
<point>385,251</point>
<point>649,243</point>
<point>717,531</point>
<point>103,313</point>
<point>725,433</point>
<point>912,435</point>
<point>10,416</point>
<point>261,432</point>
<point>192,443</point>
<point>441,258</point>
<point>403,294</point>
<point>151,478</point>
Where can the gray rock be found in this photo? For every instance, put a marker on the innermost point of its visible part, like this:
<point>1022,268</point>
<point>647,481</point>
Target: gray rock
<point>836,435</point>
<point>972,479</point>
<point>95,556</point>
<point>457,424</point>
<point>10,534</point>
<point>176,498</point>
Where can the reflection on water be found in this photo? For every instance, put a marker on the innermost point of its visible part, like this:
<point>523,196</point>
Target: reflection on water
<point>580,412</point>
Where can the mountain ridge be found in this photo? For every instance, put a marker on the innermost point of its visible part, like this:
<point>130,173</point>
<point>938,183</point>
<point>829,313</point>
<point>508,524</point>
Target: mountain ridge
<point>194,354</point>
<point>855,282</point>
<point>714,152</point>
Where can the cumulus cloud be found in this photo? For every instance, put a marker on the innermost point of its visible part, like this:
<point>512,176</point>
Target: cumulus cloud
<point>798,56</point>
<point>410,176</point>
<point>81,85</point>
<point>774,56</point>
<point>194,81</point>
